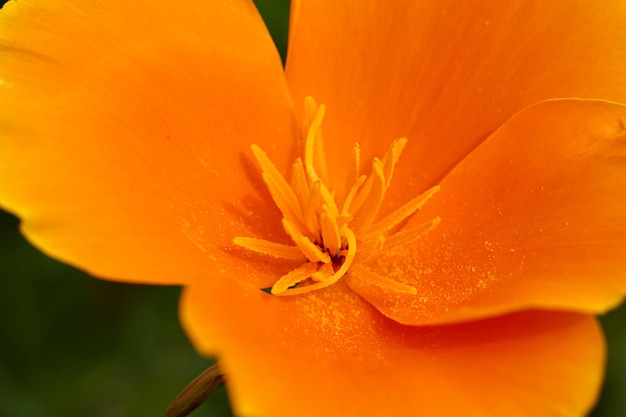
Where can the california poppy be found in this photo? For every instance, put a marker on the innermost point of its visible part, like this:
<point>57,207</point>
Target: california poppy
<point>166,145</point>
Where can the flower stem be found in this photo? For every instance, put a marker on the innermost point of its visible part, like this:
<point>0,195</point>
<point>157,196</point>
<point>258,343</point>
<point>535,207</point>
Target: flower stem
<point>196,392</point>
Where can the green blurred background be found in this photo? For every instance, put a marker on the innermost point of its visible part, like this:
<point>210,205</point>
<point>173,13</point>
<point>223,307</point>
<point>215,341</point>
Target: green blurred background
<point>71,345</point>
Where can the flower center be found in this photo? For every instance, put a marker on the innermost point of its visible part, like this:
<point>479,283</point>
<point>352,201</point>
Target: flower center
<point>326,226</point>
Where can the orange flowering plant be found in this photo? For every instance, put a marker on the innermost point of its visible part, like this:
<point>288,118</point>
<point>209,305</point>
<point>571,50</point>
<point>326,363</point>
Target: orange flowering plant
<point>419,215</point>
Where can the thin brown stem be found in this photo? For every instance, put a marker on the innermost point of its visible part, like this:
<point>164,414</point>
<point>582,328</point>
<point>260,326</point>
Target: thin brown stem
<point>196,392</point>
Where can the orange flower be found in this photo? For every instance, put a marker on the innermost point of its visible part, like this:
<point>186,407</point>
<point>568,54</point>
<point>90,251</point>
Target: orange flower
<point>126,134</point>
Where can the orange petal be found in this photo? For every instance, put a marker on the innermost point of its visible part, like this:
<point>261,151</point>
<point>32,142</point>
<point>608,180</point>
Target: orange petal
<point>534,217</point>
<point>123,127</point>
<point>331,354</point>
<point>446,73</point>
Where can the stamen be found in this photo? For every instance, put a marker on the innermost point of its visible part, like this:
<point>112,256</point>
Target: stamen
<point>396,217</point>
<point>319,157</point>
<point>276,250</point>
<point>315,159</point>
<point>326,238</point>
<point>319,275</point>
<point>350,255</point>
<point>361,195</point>
<point>294,277</point>
<point>310,154</point>
<point>281,192</point>
<point>407,236</point>
<point>308,248</point>
<point>310,214</point>
<point>330,231</point>
<point>351,194</point>
<point>349,258</point>
<point>323,274</point>
<point>371,203</point>
<point>299,183</point>
<point>391,158</point>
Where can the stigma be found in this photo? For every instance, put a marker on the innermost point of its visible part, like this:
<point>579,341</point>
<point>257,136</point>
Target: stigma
<point>335,233</point>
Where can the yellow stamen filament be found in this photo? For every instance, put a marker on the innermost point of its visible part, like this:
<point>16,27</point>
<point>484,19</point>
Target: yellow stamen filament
<point>391,158</point>
<point>294,277</point>
<point>324,237</point>
<point>308,248</point>
<point>398,216</point>
<point>276,250</point>
<point>330,232</point>
<point>299,184</point>
<point>374,198</point>
<point>281,192</point>
<point>405,237</point>
<point>351,194</point>
<point>313,153</point>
